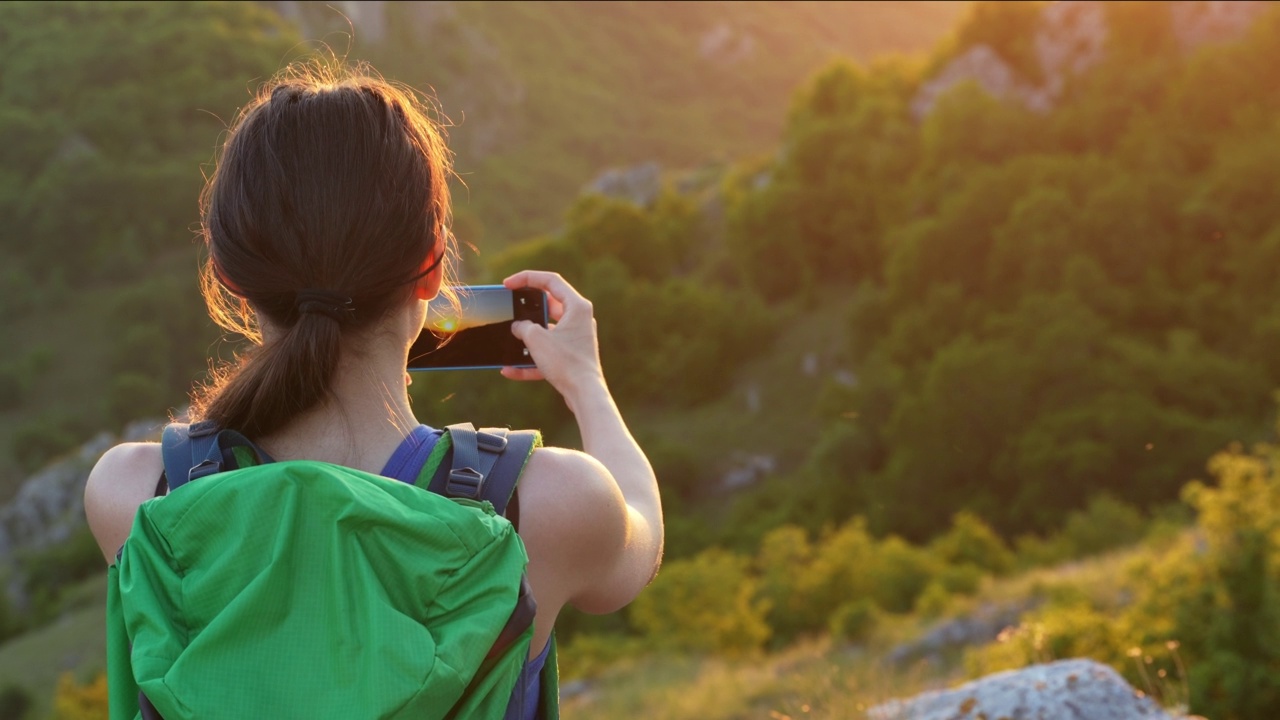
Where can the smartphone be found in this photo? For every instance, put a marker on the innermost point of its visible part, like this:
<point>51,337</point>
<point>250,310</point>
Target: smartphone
<point>479,336</point>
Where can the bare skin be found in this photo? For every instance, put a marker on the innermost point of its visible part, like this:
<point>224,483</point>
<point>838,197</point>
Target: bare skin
<point>591,521</point>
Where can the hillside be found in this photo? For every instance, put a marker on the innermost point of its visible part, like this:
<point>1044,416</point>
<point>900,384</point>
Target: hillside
<point>545,96</point>
<point>967,317</point>
<point>99,196</point>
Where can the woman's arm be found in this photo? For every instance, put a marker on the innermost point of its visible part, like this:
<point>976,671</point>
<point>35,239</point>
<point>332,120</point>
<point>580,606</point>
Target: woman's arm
<point>615,526</point>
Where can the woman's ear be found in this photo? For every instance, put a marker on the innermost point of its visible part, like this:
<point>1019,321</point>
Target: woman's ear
<point>428,286</point>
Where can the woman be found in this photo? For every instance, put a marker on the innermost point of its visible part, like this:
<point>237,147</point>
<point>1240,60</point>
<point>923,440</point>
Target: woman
<point>326,222</point>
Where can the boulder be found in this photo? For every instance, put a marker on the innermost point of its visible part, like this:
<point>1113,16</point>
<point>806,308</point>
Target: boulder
<point>1077,689</point>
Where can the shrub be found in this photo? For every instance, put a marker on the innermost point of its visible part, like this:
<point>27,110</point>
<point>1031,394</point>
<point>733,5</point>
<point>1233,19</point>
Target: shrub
<point>784,553</point>
<point>52,570</point>
<point>707,603</point>
<point>1105,524</point>
<point>933,601</point>
<point>133,395</point>
<point>40,440</point>
<point>1054,633</point>
<point>962,579</point>
<point>589,654</point>
<point>11,388</point>
<point>74,701</point>
<point>853,621</point>
<point>972,541</point>
<point>15,702</point>
<point>900,573</point>
<point>840,570</point>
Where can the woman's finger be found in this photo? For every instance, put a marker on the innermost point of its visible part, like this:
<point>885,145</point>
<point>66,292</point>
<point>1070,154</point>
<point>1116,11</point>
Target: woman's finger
<point>552,282</point>
<point>523,374</point>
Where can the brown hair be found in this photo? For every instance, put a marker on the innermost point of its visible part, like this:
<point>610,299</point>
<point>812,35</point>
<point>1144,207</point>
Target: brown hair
<point>334,180</point>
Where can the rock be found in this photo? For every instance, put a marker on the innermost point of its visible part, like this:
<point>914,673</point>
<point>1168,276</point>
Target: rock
<point>1197,23</point>
<point>1078,689</point>
<point>979,64</point>
<point>639,184</point>
<point>574,688</point>
<point>725,45</point>
<point>74,147</point>
<point>979,627</point>
<point>49,506</point>
<point>1070,39</point>
<point>749,469</point>
<point>809,364</point>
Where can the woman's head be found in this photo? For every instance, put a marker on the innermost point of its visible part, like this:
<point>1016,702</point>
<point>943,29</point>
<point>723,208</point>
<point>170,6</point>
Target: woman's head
<point>327,213</point>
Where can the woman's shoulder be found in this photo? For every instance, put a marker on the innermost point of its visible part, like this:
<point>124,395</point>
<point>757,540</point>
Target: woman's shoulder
<point>568,480</point>
<point>123,478</point>
<point>122,464</point>
<point>574,521</point>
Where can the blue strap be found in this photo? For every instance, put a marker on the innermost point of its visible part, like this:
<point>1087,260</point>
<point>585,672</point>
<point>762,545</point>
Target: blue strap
<point>484,464</point>
<point>185,448</point>
<point>193,451</point>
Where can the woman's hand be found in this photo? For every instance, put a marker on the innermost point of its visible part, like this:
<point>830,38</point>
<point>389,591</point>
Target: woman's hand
<point>566,352</point>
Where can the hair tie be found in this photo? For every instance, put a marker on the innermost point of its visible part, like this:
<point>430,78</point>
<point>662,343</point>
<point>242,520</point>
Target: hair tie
<point>324,302</point>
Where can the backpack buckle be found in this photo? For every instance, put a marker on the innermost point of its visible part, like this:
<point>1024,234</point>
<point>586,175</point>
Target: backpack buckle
<point>464,482</point>
<point>206,467</point>
<point>490,442</point>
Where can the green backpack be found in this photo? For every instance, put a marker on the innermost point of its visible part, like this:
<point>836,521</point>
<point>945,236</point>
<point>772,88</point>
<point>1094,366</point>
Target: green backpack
<point>308,590</point>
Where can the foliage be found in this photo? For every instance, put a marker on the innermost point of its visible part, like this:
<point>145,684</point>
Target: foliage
<point>971,542</point>
<point>705,603</point>
<point>75,701</point>
<point>15,702</point>
<point>1204,607</point>
<point>110,111</point>
<point>54,569</point>
<point>42,439</point>
<point>853,620</point>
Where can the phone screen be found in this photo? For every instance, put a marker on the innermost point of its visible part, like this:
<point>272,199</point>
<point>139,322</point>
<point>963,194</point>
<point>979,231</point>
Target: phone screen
<point>480,335</point>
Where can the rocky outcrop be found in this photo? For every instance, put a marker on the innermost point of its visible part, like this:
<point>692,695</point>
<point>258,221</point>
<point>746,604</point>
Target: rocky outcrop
<point>49,507</point>
<point>1070,38</point>
<point>639,184</point>
<point>1064,690</point>
<point>1197,23</point>
<point>725,45</point>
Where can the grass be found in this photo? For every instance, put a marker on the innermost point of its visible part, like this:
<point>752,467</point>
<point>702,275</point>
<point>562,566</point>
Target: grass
<point>812,679</point>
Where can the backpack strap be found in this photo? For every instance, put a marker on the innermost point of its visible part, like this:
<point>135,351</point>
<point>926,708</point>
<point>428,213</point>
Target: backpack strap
<point>193,451</point>
<point>484,464</point>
